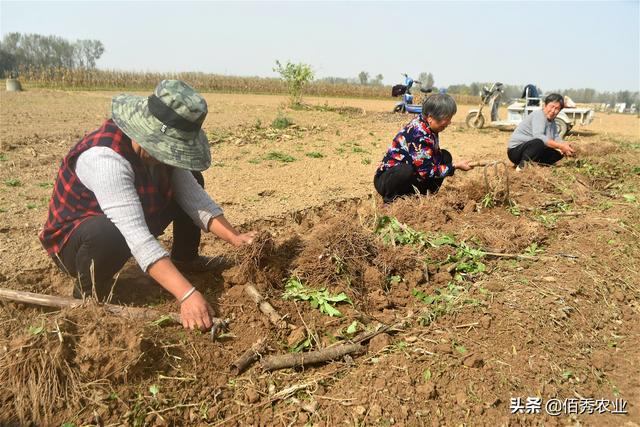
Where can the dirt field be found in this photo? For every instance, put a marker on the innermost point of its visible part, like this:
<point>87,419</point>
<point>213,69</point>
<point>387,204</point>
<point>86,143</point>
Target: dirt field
<point>555,314</point>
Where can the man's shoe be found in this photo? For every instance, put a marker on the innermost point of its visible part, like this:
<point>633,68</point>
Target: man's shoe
<point>199,264</point>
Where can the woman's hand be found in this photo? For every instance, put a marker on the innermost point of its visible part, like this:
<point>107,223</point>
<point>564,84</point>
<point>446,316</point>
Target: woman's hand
<point>567,150</point>
<point>463,165</point>
<point>244,238</point>
<point>221,228</point>
<point>196,312</point>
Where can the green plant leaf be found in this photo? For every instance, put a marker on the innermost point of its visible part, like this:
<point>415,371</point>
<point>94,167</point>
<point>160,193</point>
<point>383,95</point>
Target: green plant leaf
<point>36,330</point>
<point>330,310</point>
<point>163,320</point>
<point>629,198</point>
<point>426,374</point>
<point>353,328</point>
<point>154,390</point>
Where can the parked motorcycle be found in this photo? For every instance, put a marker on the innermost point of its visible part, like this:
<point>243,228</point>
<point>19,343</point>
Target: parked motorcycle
<point>404,90</point>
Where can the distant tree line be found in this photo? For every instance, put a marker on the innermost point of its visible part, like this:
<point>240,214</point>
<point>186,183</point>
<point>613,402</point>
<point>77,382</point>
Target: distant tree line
<point>585,96</point>
<point>19,50</point>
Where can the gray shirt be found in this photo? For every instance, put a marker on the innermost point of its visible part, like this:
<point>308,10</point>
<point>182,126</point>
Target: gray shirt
<point>534,126</point>
<point>111,178</point>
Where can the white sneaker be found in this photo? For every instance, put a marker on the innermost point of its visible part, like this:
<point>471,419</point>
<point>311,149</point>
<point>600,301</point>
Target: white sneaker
<point>519,169</point>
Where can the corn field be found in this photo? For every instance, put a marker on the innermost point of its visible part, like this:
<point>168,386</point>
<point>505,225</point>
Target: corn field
<point>94,79</point>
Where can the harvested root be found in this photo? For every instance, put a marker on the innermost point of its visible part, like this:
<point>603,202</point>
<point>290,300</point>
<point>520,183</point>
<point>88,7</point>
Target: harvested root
<point>293,360</point>
<point>339,251</point>
<point>249,357</point>
<point>252,258</point>
<point>266,308</point>
<point>39,377</point>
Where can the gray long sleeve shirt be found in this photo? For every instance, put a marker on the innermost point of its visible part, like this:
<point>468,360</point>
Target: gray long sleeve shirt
<point>111,178</point>
<point>534,126</point>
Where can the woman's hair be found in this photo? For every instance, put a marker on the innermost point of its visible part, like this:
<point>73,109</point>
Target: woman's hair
<point>439,106</point>
<point>555,97</point>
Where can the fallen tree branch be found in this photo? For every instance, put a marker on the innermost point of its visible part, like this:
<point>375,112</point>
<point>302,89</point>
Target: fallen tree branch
<point>293,360</point>
<point>249,357</point>
<point>266,308</point>
<point>139,313</point>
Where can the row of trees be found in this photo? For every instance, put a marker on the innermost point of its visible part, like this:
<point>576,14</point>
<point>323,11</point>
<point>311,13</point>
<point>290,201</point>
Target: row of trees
<point>585,95</point>
<point>35,50</point>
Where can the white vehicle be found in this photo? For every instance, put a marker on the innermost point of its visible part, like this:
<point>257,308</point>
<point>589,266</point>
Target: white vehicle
<point>519,109</point>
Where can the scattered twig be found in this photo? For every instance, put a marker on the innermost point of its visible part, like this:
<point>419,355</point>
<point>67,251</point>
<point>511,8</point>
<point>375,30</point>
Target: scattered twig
<point>292,360</point>
<point>467,325</point>
<point>249,357</point>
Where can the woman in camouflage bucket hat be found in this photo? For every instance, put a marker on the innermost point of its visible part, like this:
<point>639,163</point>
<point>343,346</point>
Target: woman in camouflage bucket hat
<point>123,184</point>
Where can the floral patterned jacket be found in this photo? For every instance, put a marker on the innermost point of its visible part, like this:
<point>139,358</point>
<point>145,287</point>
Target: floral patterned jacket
<point>417,145</point>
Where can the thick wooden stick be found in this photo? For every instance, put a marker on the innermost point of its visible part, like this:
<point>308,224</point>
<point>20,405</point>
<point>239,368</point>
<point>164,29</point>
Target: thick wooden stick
<point>249,357</point>
<point>119,310</point>
<point>293,360</point>
<point>266,308</point>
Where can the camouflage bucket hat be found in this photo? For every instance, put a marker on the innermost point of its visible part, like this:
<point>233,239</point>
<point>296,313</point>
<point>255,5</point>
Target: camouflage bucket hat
<point>167,124</point>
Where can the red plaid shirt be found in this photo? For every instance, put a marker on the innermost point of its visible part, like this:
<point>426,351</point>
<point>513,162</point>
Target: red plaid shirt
<point>72,202</point>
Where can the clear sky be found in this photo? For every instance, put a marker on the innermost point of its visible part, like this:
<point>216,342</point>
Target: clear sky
<point>556,45</point>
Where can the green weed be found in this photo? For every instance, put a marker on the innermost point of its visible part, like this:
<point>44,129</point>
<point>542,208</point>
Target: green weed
<point>318,298</point>
<point>3,157</point>
<point>467,260</point>
<point>281,122</point>
<point>366,161</point>
<point>533,249</point>
<point>217,136</point>
<point>279,157</point>
<point>314,155</point>
<point>488,201</point>
<point>12,182</point>
<point>45,184</point>
<point>393,232</point>
<point>443,301</point>
<point>513,208</point>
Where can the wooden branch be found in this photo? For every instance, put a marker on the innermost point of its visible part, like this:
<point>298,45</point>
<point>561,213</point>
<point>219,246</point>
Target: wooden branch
<point>293,360</point>
<point>249,357</point>
<point>140,313</point>
<point>266,308</point>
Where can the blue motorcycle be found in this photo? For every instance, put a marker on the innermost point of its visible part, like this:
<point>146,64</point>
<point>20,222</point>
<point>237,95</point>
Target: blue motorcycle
<point>407,105</point>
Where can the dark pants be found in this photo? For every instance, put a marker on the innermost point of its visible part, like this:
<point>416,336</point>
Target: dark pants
<point>97,244</point>
<point>401,179</point>
<point>533,151</point>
